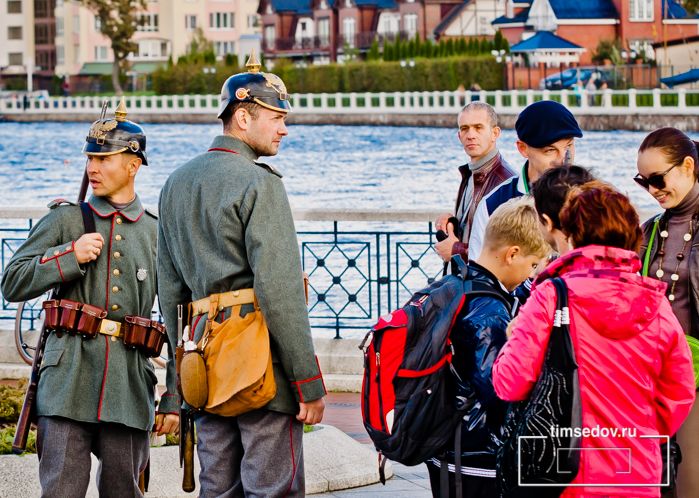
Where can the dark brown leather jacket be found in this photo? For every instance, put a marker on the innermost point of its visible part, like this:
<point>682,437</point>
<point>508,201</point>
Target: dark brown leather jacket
<point>484,181</point>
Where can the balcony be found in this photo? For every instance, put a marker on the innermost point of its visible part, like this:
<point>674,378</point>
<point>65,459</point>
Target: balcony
<point>307,44</point>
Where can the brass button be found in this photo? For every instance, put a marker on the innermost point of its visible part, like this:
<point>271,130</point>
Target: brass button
<point>116,272</point>
<point>117,254</point>
<point>115,307</point>
<point>56,253</point>
<point>118,237</point>
<point>115,289</point>
<point>118,220</point>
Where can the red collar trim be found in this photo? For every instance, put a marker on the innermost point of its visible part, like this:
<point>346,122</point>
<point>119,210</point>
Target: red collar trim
<point>115,212</point>
<point>221,149</point>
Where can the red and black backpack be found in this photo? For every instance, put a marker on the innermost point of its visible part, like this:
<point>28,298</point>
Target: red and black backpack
<point>408,397</point>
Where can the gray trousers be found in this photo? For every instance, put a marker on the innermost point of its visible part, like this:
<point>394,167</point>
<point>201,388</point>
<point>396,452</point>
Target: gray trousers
<point>257,454</point>
<point>64,448</point>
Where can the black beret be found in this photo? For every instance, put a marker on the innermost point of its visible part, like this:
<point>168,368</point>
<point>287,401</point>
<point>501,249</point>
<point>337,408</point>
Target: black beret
<point>545,122</point>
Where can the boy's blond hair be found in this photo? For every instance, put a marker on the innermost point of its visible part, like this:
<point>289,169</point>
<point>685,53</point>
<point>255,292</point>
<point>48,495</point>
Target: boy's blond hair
<point>516,223</point>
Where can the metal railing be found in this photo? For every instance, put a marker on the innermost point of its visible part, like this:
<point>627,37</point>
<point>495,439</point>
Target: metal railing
<point>607,102</point>
<point>361,264</point>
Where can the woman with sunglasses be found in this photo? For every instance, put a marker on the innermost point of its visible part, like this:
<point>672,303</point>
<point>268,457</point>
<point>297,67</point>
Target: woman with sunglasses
<point>668,168</point>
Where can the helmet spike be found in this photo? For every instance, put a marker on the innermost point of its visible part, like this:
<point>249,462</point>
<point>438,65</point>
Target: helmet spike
<point>120,112</point>
<point>253,64</point>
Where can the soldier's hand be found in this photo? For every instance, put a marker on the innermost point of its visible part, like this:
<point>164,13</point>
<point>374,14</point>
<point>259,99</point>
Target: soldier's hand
<point>166,423</point>
<point>312,412</point>
<point>441,223</point>
<point>88,247</point>
<point>444,247</point>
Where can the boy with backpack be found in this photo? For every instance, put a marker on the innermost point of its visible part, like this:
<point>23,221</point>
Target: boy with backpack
<point>513,249</point>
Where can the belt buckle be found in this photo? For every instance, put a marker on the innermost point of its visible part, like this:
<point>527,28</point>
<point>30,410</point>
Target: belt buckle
<point>111,328</point>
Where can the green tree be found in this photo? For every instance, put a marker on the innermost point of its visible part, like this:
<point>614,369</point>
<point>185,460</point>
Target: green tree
<point>373,53</point>
<point>691,6</point>
<point>118,21</point>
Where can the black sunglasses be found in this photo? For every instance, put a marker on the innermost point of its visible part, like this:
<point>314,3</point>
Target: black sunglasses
<point>656,180</point>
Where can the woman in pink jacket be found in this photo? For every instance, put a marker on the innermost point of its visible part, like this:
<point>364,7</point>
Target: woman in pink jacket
<point>635,368</point>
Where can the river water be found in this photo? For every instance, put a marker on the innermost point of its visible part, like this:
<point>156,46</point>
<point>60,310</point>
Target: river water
<point>367,167</point>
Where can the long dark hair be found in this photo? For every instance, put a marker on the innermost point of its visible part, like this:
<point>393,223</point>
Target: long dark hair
<point>674,144</point>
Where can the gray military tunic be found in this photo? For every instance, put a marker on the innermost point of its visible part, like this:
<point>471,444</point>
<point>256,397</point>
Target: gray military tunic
<point>226,224</point>
<point>94,380</point>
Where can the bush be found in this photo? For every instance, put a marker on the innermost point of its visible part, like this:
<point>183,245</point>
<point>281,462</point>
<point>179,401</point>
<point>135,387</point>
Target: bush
<point>11,399</point>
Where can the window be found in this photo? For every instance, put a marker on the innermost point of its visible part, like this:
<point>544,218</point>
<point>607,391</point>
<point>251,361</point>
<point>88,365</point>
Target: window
<point>14,33</point>
<point>324,31</point>
<point>16,59</point>
<point>640,10</point>
<point>14,6</point>
<point>410,25</point>
<point>101,53</point>
<point>98,24</point>
<point>43,8</point>
<point>190,22</point>
<point>348,31</point>
<point>60,54</point>
<point>152,49</point>
<point>253,21</point>
<point>221,48</point>
<point>76,24</point>
<point>221,20</point>
<point>147,22</point>
<point>59,26</point>
<point>42,34</point>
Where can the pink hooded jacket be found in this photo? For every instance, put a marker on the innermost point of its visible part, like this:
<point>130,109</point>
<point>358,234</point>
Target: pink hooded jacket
<point>635,366</point>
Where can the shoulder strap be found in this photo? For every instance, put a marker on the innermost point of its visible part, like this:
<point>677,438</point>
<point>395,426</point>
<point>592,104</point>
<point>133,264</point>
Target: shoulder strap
<point>88,217</point>
<point>474,288</point>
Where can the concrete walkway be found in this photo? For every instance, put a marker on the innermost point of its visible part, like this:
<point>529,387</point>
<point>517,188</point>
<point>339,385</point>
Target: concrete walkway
<point>336,464</point>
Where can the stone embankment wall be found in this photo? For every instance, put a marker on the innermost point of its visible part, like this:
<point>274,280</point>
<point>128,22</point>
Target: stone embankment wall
<point>599,122</point>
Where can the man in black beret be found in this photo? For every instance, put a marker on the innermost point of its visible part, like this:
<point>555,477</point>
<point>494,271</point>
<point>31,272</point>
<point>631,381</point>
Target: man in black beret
<point>546,133</point>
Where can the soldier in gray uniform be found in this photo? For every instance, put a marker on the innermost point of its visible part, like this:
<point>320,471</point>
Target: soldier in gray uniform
<point>95,394</point>
<point>226,225</point>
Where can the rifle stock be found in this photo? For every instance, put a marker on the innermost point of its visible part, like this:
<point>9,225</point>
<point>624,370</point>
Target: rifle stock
<point>188,484</point>
<point>19,444</point>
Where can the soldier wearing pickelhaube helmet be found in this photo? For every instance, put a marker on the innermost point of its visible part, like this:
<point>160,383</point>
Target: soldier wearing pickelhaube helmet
<point>226,226</point>
<point>96,389</point>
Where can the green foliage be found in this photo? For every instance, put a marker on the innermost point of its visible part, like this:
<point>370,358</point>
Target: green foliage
<point>373,54</point>
<point>691,6</point>
<point>7,435</point>
<point>381,76</point>
<point>607,49</point>
<point>11,399</point>
<point>118,22</point>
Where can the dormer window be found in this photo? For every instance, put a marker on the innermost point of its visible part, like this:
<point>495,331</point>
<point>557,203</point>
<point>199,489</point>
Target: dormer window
<point>348,3</point>
<point>323,4</point>
<point>269,9</point>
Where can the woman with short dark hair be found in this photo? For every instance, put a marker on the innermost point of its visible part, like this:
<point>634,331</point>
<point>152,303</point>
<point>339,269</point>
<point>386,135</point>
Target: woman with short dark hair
<point>668,168</point>
<point>634,365</point>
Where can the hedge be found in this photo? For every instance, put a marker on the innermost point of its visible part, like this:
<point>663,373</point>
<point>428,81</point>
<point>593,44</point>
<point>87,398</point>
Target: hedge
<point>373,76</point>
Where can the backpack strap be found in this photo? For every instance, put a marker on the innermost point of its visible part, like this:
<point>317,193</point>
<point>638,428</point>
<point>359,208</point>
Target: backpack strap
<point>88,217</point>
<point>474,288</point>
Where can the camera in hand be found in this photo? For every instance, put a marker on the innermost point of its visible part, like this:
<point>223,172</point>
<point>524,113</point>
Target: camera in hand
<point>441,234</point>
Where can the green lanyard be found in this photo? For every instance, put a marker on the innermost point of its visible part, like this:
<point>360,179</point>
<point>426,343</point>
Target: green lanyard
<point>649,248</point>
<point>524,176</point>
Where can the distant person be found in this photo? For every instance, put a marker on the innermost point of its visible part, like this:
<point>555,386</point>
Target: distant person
<point>475,92</point>
<point>65,87</point>
<point>591,89</point>
<point>546,133</point>
<point>668,168</point>
<point>550,192</point>
<point>513,249</point>
<point>634,364</point>
<point>486,169</point>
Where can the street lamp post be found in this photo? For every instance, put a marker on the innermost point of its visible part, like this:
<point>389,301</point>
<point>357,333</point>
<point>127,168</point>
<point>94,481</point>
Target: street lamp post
<point>502,56</point>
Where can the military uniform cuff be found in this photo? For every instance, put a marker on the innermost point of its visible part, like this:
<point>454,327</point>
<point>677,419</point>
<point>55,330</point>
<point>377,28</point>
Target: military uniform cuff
<point>169,403</point>
<point>311,388</point>
<point>62,260</point>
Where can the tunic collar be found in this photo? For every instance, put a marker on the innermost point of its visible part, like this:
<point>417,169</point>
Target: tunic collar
<point>233,144</point>
<point>103,209</point>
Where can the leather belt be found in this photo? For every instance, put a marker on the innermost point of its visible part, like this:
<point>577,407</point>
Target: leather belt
<point>223,300</point>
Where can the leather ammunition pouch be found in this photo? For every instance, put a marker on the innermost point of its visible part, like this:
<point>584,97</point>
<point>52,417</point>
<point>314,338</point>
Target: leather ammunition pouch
<point>86,320</point>
<point>236,355</point>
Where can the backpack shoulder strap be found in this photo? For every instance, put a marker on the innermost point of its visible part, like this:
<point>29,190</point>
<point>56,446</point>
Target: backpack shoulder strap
<point>88,217</point>
<point>474,288</point>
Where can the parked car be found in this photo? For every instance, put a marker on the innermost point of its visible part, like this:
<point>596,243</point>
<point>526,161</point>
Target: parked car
<point>570,77</point>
